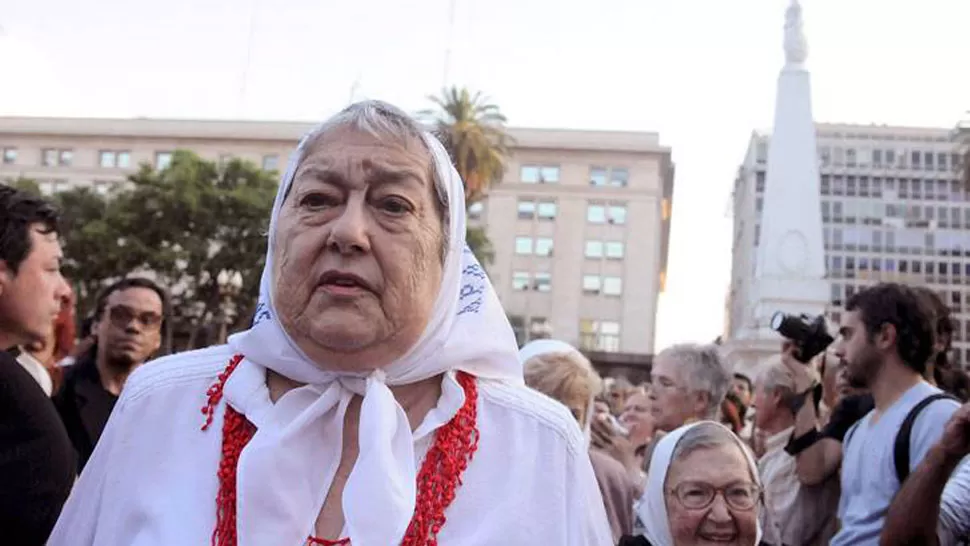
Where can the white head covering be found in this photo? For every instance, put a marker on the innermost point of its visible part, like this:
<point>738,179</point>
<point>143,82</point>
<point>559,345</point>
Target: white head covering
<point>284,473</point>
<point>554,346</point>
<point>652,508</point>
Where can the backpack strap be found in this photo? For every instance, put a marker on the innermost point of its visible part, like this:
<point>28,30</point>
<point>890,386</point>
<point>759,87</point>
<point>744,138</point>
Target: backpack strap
<point>901,446</point>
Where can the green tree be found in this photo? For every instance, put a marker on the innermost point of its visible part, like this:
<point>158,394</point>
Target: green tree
<point>473,131</point>
<point>191,221</point>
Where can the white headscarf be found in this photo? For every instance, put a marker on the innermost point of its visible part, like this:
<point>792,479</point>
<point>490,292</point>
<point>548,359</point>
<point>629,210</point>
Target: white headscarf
<point>285,471</point>
<point>554,346</point>
<point>652,508</point>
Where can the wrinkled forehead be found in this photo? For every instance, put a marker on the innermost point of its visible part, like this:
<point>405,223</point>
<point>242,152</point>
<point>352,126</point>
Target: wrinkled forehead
<point>337,151</point>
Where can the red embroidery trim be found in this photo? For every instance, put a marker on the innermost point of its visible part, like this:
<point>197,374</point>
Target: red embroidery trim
<point>324,542</point>
<point>454,446</point>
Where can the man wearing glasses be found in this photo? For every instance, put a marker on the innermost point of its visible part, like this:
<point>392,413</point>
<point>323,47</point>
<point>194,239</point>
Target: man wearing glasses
<point>127,331</point>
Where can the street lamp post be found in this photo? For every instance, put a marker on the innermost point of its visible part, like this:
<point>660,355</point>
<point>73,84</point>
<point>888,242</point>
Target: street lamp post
<point>229,284</point>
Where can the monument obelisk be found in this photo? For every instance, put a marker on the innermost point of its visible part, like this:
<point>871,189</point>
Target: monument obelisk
<point>789,268</point>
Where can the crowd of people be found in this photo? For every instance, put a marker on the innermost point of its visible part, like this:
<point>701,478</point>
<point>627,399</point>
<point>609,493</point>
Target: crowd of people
<point>380,398</point>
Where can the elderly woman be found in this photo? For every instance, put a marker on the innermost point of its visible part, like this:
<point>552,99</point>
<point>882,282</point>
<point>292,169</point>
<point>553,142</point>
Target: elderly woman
<point>377,400</point>
<point>703,489</point>
<point>562,373</point>
<point>688,383</point>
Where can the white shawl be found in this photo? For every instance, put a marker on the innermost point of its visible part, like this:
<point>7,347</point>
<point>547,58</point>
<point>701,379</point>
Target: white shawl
<point>283,475</point>
<point>652,508</point>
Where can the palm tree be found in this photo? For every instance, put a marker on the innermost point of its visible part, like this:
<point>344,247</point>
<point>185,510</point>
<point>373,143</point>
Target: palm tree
<point>473,131</point>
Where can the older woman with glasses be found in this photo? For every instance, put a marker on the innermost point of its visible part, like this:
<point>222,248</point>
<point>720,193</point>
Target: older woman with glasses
<point>703,488</point>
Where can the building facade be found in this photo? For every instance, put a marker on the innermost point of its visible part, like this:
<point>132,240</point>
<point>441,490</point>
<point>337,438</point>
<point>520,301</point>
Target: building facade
<point>892,207</point>
<point>579,226</point>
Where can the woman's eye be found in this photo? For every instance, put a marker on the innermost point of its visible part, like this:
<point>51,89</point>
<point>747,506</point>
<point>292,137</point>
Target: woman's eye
<point>394,205</point>
<point>317,200</point>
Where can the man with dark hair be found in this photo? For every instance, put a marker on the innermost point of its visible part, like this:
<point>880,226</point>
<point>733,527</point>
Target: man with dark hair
<point>128,326</point>
<point>939,370</point>
<point>887,336</point>
<point>36,460</point>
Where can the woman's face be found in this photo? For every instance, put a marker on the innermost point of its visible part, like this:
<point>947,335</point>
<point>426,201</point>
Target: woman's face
<point>671,402</point>
<point>637,419</point>
<point>357,258</point>
<point>718,521</point>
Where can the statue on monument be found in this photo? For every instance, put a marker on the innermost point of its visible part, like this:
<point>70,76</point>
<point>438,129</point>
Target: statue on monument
<point>796,46</point>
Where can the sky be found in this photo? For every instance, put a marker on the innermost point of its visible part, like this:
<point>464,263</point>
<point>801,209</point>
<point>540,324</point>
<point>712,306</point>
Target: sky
<point>701,73</point>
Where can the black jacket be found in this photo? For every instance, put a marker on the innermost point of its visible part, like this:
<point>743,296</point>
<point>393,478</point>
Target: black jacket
<point>37,466</point>
<point>84,406</point>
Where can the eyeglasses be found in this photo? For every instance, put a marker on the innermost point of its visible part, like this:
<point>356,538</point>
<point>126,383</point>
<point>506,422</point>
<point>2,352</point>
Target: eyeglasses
<point>121,317</point>
<point>700,495</point>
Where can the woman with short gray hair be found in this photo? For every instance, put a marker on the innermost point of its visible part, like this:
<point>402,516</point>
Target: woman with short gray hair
<point>688,383</point>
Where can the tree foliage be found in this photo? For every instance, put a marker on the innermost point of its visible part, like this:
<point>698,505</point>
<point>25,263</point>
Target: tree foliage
<point>181,226</point>
<point>473,131</point>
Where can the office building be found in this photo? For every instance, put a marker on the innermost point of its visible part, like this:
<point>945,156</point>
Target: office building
<point>892,208</point>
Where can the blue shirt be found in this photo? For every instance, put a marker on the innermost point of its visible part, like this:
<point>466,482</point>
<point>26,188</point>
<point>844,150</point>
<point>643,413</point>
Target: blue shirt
<point>869,479</point>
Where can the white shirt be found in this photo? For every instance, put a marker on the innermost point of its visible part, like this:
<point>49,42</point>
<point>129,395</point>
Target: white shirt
<point>152,478</point>
<point>37,370</point>
<point>796,514</point>
<point>954,522</point>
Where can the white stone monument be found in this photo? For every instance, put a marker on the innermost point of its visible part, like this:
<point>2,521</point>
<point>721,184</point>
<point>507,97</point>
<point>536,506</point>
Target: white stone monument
<point>790,262</point>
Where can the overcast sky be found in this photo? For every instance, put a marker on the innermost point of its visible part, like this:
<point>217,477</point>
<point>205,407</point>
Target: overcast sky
<point>700,72</point>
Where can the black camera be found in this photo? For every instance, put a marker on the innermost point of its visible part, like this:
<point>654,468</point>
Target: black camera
<point>809,335</point>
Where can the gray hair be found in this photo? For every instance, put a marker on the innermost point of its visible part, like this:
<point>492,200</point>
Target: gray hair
<point>385,122</point>
<point>703,369</point>
<point>776,378</point>
<point>707,435</point>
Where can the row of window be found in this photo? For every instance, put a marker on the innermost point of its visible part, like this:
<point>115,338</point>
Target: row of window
<point>878,157</point>
<point>523,281</point>
<point>875,186</point>
<point>114,159</point>
<point>598,176</point>
<point>839,266</point>
<point>594,335</point>
<point>543,246</point>
<point>903,241</point>
<point>529,209</point>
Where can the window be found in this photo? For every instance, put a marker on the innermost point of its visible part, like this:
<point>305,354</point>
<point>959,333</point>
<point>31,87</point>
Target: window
<point>761,152</point>
<point>523,245</point>
<point>614,250</point>
<point>49,187</point>
<point>9,156</point>
<point>612,286</point>
<point>48,157</point>
<point>539,174</point>
<point>539,328</point>
<point>547,210</point>
<point>520,280</point>
<point>594,249</point>
<point>543,247</point>
<point>108,159</point>
<point>617,214</point>
<point>597,335</point>
<point>65,157</point>
<point>111,159</point>
<point>596,214</point>
<point>225,159</point>
<point>850,157</point>
<point>877,158</point>
<point>597,176</point>
<point>475,210</point>
<point>163,160</point>
<point>543,282</point>
<point>592,284</point>
<point>527,210</point>
<point>619,177</point>
<point>271,162</point>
